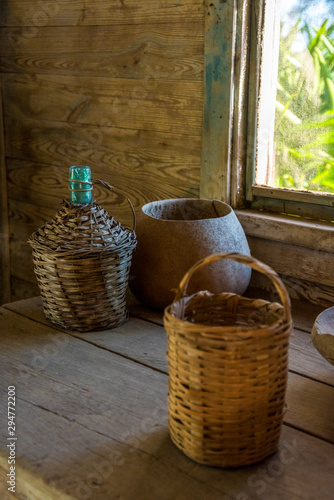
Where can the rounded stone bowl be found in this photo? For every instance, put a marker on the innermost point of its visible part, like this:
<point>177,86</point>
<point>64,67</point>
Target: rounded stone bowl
<point>174,234</point>
<point>323,334</point>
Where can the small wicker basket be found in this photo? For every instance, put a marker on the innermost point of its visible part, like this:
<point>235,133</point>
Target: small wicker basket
<point>82,261</point>
<point>228,366</point>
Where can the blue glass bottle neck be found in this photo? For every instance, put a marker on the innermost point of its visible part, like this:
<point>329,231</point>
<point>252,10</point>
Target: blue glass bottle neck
<point>80,185</point>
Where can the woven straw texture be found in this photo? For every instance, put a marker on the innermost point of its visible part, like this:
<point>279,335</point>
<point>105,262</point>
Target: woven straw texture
<point>82,261</point>
<point>228,365</point>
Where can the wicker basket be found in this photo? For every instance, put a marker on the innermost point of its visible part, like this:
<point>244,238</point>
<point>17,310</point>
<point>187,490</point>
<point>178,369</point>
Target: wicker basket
<point>228,365</point>
<point>82,261</point>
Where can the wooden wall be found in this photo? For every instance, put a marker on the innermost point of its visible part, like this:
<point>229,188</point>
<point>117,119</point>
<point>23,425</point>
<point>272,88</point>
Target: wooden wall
<point>116,85</point>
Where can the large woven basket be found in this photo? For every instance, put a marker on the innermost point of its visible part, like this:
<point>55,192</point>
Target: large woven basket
<point>228,365</point>
<point>82,261</point>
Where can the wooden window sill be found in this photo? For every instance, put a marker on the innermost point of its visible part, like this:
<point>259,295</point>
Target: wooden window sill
<point>301,250</point>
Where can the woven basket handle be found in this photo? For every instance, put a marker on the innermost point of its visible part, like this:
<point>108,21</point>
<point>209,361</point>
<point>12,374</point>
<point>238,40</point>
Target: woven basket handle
<point>109,186</point>
<point>242,259</point>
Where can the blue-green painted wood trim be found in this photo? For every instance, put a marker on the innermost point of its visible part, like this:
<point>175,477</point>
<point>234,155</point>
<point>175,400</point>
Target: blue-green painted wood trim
<point>218,98</point>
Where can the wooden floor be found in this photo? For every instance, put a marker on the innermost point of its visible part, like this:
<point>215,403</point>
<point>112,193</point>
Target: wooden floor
<point>91,417</point>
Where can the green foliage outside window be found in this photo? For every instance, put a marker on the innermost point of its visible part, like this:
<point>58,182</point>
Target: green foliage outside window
<point>304,124</point>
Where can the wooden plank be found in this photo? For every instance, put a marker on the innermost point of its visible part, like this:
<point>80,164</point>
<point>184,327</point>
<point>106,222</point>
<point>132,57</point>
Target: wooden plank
<point>37,183</point>
<point>218,99</point>
<point>24,219</point>
<point>138,62</point>
<point>30,485</point>
<point>294,208</point>
<point>21,264</point>
<point>130,40</point>
<point>66,364</point>
<point>137,339</point>
<point>310,292</point>
<point>22,289</point>
<point>286,469</point>
<point>139,310</point>
<point>241,89</point>
<point>133,51</point>
<point>142,165</point>
<point>294,195</point>
<point>135,168</point>
<point>82,433</point>
<point>307,292</point>
<point>304,358</point>
<point>310,407</point>
<point>255,55</point>
<point>316,266</point>
<point>318,235</point>
<point>140,172</point>
<point>96,12</point>
<point>121,469</point>
<point>161,106</point>
<point>304,314</point>
<point>4,225</point>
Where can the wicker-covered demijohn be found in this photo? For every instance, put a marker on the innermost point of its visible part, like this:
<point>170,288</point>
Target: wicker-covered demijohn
<point>82,261</point>
<point>228,366</point>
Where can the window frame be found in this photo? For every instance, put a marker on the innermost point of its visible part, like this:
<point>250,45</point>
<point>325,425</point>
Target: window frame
<point>267,197</point>
<point>229,151</point>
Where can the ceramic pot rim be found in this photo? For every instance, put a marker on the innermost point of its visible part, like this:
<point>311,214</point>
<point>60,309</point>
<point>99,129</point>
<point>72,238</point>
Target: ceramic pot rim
<point>179,201</point>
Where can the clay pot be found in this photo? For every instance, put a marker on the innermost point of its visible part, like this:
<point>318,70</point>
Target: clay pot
<point>323,334</point>
<point>173,235</point>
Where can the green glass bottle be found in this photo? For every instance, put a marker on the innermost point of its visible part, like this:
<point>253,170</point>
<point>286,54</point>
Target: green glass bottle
<point>80,185</point>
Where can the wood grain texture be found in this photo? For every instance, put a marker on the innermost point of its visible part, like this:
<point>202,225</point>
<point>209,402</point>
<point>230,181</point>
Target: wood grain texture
<point>140,164</point>
<point>317,235</point>
<point>285,207</point>
<point>294,195</point>
<point>104,41</point>
<point>313,293</point>
<point>240,100</point>
<point>255,55</point>
<point>96,12</point>
<point>93,435</point>
<point>295,261</point>
<point>21,266</point>
<point>48,186</point>
<point>161,106</point>
<point>23,221</point>
<point>304,314</point>
<point>114,85</point>
<point>22,289</point>
<point>129,51</point>
<point>218,100</point>
<point>4,225</point>
<point>308,292</point>
<point>311,364</point>
<point>304,358</point>
<point>138,339</point>
<point>158,61</point>
<point>308,402</point>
